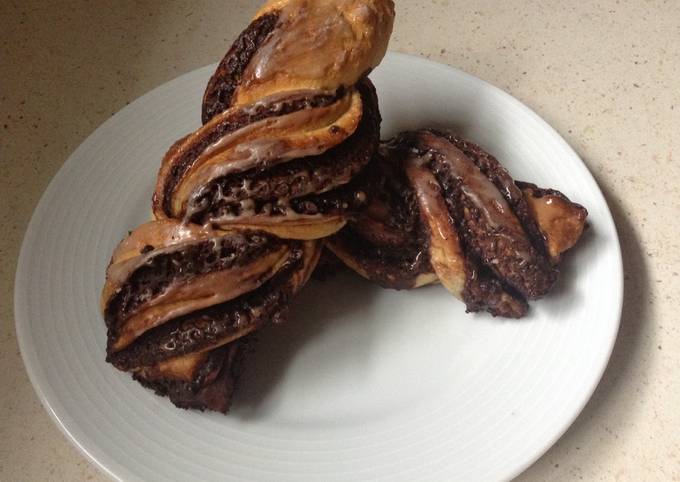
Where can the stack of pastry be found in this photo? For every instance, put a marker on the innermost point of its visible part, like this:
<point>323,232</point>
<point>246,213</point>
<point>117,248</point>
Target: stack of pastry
<point>288,160</point>
<point>290,122</point>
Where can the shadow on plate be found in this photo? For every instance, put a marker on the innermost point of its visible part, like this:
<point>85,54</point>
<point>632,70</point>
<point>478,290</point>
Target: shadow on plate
<point>343,298</point>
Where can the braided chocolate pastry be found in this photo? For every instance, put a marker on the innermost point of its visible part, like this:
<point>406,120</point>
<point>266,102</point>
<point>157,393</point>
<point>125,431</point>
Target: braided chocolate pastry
<point>290,122</point>
<point>287,156</point>
<point>444,210</point>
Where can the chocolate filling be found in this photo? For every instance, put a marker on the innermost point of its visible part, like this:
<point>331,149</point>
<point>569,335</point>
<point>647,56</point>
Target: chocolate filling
<point>506,251</point>
<point>160,271</point>
<point>387,239</point>
<point>292,181</point>
<point>238,119</point>
<point>484,292</point>
<point>394,205</point>
<point>388,266</point>
<point>349,197</point>
<point>328,266</point>
<point>227,77</point>
<point>496,173</point>
<point>207,327</point>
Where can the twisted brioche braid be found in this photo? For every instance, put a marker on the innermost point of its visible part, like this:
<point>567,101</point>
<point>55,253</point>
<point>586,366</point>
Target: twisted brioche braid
<point>286,161</point>
<point>289,124</point>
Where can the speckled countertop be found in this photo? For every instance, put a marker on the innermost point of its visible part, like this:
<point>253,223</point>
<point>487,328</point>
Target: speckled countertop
<point>605,74</point>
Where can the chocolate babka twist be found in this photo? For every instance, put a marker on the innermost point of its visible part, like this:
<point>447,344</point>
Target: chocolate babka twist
<point>290,123</point>
<point>443,209</point>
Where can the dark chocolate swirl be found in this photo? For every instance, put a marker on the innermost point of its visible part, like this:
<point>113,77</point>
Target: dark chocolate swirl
<point>450,212</point>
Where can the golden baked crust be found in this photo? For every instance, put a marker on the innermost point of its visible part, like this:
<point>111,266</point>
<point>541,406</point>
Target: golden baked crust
<point>446,254</point>
<point>317,44</point>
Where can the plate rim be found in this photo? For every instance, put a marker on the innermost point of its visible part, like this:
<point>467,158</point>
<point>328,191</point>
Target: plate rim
<point>108,465</point>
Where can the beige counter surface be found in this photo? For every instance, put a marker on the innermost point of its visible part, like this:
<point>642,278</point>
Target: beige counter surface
<point>605,74</point>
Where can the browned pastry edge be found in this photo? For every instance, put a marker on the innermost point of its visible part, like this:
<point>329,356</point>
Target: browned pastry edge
<point>563,221</point>
<point>213,387</point>
<point>223,83</point>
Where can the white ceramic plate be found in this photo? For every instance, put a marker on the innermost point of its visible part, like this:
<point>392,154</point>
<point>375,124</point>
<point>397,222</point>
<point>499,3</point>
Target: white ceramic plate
<point>362,383</point>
